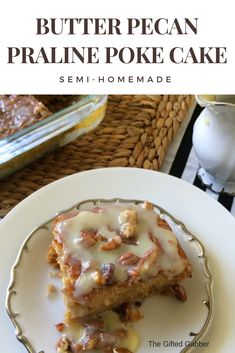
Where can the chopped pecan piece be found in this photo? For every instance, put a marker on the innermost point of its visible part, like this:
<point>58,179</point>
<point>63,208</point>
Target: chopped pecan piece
<point>162,223</point>
<point>62,345</point>
<point>179,292</point>
<point>112,243</point>
<point>89,338</point>
<point>76,348</point>
<point>128,230</point>
<point>68,288</point>
<point>75,268</point>
<point>108,272</point>
<point>129,241</point>
<point>128,312</point>
<point>149,258</point>
<point>147,205</point>
<point>154,240</point>
<point>98,278</point>
<point>88,238</point>
<point>128,216</point>
<point>102,238</point>
<point>128,220</point>
<point>128,259</point>
<point>132,313</point>
<point>50,288</point>
<point>134,275</point>
<point>105,275</point>
<point>65,216</point>
<point>60,327</point>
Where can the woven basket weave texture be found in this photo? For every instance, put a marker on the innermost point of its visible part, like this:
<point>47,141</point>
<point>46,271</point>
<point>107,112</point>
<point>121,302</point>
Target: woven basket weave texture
<point>136,132</point>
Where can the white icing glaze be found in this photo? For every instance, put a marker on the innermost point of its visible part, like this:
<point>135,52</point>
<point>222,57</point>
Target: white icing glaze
<point>108,222</point>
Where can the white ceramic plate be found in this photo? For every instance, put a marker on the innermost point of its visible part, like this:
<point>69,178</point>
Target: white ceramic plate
<point>186,323</point>
<point>203,216</point>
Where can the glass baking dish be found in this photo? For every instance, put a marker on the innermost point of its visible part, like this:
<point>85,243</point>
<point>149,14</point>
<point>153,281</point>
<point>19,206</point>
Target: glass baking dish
<point>42,137</point>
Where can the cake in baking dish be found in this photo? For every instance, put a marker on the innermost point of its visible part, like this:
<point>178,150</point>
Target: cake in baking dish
<point>114,254</point>
<point>18,112</point>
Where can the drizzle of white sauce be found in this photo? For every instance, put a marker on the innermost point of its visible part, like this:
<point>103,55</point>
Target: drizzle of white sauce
<point>74,331</point>
<point>107,223</point>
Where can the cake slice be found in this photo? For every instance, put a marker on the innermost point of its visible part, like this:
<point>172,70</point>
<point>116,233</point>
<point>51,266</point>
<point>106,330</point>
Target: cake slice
<point>115,254</point>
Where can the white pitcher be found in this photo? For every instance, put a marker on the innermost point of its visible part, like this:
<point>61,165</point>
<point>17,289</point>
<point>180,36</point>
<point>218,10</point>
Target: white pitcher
<point>214,142</point>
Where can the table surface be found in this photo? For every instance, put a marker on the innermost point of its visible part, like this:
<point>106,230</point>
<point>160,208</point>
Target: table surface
<point>181,161</point>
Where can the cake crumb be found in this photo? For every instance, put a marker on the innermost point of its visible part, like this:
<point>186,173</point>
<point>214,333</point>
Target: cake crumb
<point>50,289</point>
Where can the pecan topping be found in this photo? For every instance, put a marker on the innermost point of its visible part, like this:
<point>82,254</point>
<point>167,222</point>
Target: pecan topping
<point>68,288</point>
<point>88,238</point>
<point>154,240</point>
<point>60,327</point>
<point>65,216</point>
<point>89,339</point>
<point>98,278</point>
<point>128,216</point>
<point>147,205</point>
<point>108,272</point>
<point>50,288</point>
<point>105,275</point>
<point>134,275</point>
<point>112,244</point>
<point>128,259</point>
<point>132,313</point>
<point>128,230</point>
<point>75,268</point>
<point>76,348</point>
<point>162,223</point>
<point>128,220</point>
<point>128,312</point>
<point>179,292</point>
<point>62,345</point>
<point>149,258</point>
